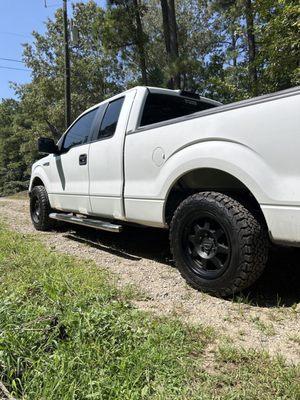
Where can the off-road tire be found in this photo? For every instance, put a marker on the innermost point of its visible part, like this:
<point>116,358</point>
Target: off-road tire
<point>247,241</point>
<point>39,198</point>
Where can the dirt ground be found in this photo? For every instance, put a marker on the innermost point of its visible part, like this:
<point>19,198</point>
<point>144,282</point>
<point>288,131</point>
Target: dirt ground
<point>266,317</point>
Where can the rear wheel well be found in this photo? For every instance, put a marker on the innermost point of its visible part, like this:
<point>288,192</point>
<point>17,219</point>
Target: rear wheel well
<point>208,179</point>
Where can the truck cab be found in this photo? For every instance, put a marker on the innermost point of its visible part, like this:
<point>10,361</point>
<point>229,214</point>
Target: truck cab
<point>86,175</point>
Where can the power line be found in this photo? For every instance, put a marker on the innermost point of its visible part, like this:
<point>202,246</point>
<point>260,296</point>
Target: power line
<point>14,34</point>
<point>17,69</point>
<point>47,5</point>
<point>11,59</point>
<point>52,5</point>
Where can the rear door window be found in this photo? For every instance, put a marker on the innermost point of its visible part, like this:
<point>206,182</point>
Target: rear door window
<point>109,122</point>
<point>161,107</point>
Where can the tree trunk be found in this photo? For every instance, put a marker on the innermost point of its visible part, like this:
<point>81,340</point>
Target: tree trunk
<point>165,15</point>
<point>140,42</point>
<point>251,46</point>
<point>233,47</point>
<point>171,40</point>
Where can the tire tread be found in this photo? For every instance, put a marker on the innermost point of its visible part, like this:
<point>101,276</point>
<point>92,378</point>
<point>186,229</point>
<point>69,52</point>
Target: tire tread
<point>45,223</point>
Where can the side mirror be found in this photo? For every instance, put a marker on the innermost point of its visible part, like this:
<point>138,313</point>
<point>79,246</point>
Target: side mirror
<point>47,145</point>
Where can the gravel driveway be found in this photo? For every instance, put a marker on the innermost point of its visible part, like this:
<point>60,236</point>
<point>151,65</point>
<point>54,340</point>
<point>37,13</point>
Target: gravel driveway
<point>266,318</point>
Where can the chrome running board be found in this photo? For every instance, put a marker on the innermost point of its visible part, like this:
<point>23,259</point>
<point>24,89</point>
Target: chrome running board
<point>91,223</point>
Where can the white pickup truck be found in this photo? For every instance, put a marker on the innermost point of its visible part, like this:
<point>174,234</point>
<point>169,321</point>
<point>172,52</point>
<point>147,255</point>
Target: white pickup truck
<point>224,179</point>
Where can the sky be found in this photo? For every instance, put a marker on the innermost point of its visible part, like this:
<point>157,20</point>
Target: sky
<point>18,18</point>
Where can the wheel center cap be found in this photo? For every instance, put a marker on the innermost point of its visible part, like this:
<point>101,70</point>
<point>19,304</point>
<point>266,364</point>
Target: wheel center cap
<point>207,248</point>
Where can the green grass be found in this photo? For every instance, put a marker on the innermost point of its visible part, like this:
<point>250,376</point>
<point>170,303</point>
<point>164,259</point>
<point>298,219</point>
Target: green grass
<point>67,333</point>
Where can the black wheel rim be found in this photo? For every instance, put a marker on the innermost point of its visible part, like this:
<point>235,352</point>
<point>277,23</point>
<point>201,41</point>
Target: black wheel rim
<point>35,210</point>
<point>207,247</point>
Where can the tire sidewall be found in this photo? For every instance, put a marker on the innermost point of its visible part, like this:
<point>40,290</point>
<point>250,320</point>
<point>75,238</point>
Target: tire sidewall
<point>39,193</point>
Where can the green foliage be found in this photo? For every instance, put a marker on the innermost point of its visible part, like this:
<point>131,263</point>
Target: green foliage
<point>67,333</point>
<point>123,45</point>
<point>13,148</point>
<point>279,43</point>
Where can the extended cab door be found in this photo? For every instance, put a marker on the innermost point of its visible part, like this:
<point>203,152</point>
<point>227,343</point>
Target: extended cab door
<point>106,158</point>
<point>69,170</point>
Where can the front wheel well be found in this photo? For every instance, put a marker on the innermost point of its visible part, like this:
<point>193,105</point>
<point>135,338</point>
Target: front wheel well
<point>209,179</point>
<point>36,182</point>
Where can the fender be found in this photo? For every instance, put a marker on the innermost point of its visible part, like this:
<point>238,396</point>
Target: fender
<point>231,157</point>
<point>38,172</point>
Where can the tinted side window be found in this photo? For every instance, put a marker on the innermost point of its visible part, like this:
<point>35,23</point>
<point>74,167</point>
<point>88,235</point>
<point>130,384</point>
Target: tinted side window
<point>110,119</point>
<point>79,132</point>
<point>162,107</point>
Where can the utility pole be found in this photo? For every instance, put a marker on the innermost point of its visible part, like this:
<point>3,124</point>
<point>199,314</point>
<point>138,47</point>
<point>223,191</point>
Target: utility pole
<point>67,67</point>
